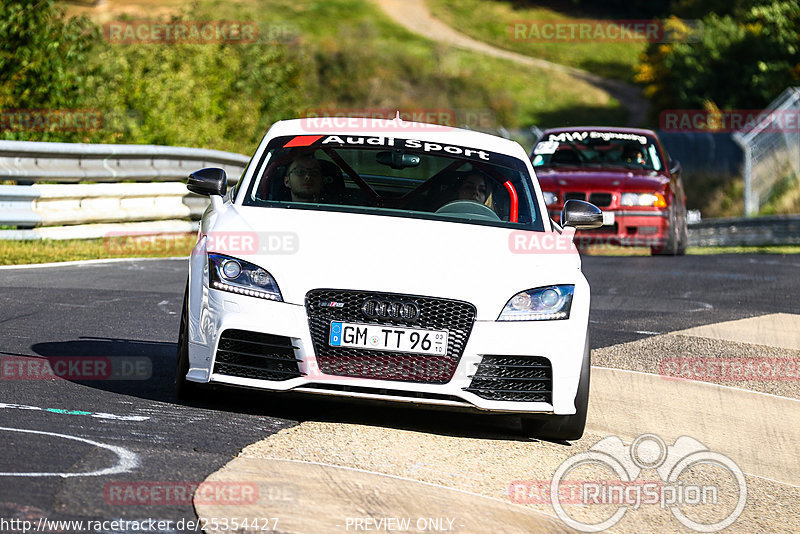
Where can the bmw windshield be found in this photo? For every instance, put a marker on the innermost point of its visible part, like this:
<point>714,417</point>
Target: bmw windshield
<point>597,149</point>
<point>395,177</point>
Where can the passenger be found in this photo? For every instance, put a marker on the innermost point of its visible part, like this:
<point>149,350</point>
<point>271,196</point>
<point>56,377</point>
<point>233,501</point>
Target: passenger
<point>304,179</point>
<point>475,186</point>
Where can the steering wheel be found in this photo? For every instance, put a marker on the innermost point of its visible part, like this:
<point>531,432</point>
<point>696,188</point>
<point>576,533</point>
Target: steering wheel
<point>469,208</point>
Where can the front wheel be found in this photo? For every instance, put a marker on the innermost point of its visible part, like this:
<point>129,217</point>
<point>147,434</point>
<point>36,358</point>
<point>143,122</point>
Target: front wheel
<point>184,389</point>
<point>671,245</point>
<point>683,241</point>
<point>564,427</point>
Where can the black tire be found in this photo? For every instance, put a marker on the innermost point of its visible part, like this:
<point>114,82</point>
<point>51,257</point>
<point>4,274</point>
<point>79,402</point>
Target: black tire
<point>564,427</point>
<point>185,390</point>
<point>670,246</point>
<point>684,237</point>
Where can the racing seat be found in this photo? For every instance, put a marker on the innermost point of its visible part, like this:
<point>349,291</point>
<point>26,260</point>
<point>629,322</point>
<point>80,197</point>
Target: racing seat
<point>277,189</point>
<point>332,182</point>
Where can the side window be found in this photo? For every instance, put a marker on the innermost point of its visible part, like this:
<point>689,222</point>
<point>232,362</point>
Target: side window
<point>654,157</point>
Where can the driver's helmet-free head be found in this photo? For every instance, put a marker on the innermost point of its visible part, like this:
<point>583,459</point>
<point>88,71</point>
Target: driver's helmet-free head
<point>633,153</point>
<point>473,185</point>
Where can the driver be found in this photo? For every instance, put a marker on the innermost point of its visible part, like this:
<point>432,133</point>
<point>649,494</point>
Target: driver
<point>633,154</point>
<point>304,179</point>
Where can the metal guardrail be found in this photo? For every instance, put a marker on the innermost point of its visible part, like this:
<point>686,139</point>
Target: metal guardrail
<point>84,210</point>
<point>32,161</point>
<point>735,232</point>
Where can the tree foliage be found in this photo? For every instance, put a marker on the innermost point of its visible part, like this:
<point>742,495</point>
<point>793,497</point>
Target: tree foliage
<point>739,60</point>
<point>220,96</point>
<point>42,54</point>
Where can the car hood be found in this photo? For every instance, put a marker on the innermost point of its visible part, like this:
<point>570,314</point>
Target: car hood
<point>553,179</point>
<point>391,254</point>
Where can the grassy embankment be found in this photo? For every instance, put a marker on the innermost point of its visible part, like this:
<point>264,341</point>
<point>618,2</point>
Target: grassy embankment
<point>508,25</point>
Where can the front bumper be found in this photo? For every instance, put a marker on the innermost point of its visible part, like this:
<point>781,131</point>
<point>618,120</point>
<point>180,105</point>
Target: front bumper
<point>560,343</point>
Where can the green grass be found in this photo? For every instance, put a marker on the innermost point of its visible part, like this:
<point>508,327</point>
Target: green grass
<point>490,22</point>
<point>52,250</point>
<point>782,249</point>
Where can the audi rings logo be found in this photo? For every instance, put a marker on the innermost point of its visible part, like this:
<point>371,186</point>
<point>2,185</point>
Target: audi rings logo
<point>390,309</point>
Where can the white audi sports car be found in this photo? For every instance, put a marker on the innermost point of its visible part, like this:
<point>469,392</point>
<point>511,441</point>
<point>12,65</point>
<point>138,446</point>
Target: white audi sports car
<point>390,260</point>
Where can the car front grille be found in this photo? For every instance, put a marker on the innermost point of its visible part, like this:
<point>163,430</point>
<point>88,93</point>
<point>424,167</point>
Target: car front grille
<point>513,378</point>
<point>435,314</point>
<point>255,355</point>
<point>574,196</point>
<point>601,200</point>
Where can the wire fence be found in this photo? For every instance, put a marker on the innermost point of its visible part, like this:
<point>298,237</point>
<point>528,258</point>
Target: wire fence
<point>771,151</point>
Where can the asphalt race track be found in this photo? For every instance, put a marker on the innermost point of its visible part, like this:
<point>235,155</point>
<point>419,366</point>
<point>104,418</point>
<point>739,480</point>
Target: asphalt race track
<point>71,447</point>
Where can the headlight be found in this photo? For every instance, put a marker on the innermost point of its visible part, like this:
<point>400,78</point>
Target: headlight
<point>656,200</point>
<point>541,304</point>
<point>237,276</point>
<point>549,198</point>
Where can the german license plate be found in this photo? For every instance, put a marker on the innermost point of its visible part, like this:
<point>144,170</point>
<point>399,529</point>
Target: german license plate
<point>608,218</point>
<point>393,338</point>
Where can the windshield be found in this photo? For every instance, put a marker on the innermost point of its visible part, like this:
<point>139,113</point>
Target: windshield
<point>594,148</point>
<point>395,177</point>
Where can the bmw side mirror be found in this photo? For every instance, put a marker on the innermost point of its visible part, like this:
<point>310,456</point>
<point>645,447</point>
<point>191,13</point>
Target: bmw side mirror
<point>208,182</point>
<point>581,215</point>
<point>674,167</point>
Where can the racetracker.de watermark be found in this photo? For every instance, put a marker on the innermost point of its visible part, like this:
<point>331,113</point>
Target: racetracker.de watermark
<point>76,368</point>
<point>579,492</point>
<point>731,369</point>
<point>346,120</point>
<point>521,242</point>
<point>127,243</point>
<point>50,120</point>
<point>181,32</point>
<point>594,30</point>
<point>235,243</point>
<point>730,120</point>
<point>251,243</point>
<point>181,493</point>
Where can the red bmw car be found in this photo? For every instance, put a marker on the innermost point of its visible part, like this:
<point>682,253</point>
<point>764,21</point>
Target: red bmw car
<point>623,171</point>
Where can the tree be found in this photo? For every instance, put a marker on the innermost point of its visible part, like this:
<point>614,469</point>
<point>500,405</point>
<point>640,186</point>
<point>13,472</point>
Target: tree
<point>734,61</point>
<point>42,54</point>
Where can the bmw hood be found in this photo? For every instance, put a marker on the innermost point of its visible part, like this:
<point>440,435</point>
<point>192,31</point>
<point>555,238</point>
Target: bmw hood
<point>622,179</point>
<point>306,249</point>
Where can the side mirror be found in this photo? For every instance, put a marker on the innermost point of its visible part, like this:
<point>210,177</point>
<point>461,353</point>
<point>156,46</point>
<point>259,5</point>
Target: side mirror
<point>674,167</point>
<point>581,215</point>
<point>208,182</point>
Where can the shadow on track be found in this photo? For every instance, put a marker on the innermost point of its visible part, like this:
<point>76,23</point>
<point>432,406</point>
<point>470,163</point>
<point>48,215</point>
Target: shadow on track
<point>157,385</point>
